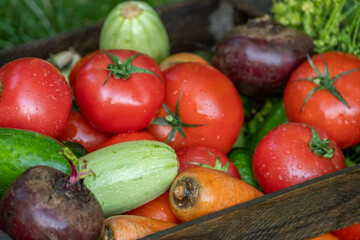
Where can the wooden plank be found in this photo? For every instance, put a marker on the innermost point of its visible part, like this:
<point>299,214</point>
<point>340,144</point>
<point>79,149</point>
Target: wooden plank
<point>299,212</point>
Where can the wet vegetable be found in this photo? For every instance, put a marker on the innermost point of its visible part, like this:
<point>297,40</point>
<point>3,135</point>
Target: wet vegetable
<point>44,204</point>
<point>260,55</point>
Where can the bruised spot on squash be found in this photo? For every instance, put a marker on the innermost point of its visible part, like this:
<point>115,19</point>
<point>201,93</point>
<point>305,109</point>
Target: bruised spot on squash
<point>131,10</point>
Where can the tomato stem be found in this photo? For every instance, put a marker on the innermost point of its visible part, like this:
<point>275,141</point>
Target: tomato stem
<point>324,81</point>
<point>324,148</point>
<point>174,120</point>
<point>123,69</point>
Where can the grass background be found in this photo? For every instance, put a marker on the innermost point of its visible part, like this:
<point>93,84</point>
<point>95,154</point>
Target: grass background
<point>23,21</point>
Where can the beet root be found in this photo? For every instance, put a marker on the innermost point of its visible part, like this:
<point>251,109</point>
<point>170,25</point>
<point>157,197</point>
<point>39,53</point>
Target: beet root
<point>42,204</point>
<point>260,55</point>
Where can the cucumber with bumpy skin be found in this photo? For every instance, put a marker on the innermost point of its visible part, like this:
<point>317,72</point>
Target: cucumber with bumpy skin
<point>22,149</point>
<point>130,174</point>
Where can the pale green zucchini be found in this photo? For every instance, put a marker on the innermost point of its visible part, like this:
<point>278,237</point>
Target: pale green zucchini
<point>130,174</point>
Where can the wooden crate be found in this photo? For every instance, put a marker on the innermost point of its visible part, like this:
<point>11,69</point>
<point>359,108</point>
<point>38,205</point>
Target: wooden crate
<point>302,211</point>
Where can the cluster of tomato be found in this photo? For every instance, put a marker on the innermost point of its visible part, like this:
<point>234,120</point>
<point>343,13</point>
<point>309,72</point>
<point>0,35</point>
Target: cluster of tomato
<point>121,96</point>
<point>124,95</point>
<point>322,105</point>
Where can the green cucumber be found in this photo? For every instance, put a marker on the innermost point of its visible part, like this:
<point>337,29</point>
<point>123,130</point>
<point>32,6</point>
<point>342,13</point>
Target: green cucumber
<point>129,174</point>
<point>22,149</point>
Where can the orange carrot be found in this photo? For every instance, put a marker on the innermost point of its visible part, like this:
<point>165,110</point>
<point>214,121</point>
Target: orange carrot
<point>196,192</point>
<point>159,208</point>
<point>327,236</point>
<point>127,227</point>
<point>181,57</point>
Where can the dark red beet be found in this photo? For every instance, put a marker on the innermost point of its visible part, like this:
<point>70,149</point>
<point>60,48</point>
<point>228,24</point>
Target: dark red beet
<point>42,204</point>
<point>260,55</point>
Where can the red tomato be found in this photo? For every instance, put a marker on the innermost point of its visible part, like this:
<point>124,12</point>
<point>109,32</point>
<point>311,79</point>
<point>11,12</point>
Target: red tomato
<point>205,155</point>
<point>35,96</point>
<point>79,130</point>
<point>349,233</point>
<point>127,136</point>
<point>159,208</point>
<point>79,64</point>
<point>122,103</point>
<point>323,109</point>
<point>208,99</point>
<point>284,158</point>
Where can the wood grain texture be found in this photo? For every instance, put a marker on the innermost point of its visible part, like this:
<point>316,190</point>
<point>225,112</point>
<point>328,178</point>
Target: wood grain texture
<point>300,212</point>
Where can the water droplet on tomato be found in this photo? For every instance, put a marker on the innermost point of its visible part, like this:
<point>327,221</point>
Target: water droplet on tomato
<point>299,166</point>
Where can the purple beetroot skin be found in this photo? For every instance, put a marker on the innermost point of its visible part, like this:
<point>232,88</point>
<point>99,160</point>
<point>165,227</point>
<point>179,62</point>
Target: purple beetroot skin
<point>260,55</point>
<point>42,204</point>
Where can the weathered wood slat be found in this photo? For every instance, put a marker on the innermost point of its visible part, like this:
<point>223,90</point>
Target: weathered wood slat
<point>300,212</point>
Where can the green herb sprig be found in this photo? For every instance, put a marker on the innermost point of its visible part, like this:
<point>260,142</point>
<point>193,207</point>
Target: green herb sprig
<point>332,24</point>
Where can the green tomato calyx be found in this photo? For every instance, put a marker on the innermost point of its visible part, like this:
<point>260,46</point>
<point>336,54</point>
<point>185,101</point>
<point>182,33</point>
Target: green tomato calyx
<point>123,69</point>
<point>217,166</point>
<point>174,120</point>
<point>324,148</point>
<point>324,81</point>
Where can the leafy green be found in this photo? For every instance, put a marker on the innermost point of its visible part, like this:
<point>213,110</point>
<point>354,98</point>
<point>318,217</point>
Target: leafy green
<point>332,24</point>
<point>259,120</point>
<point>242,159</point>
<point>352,155</point>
